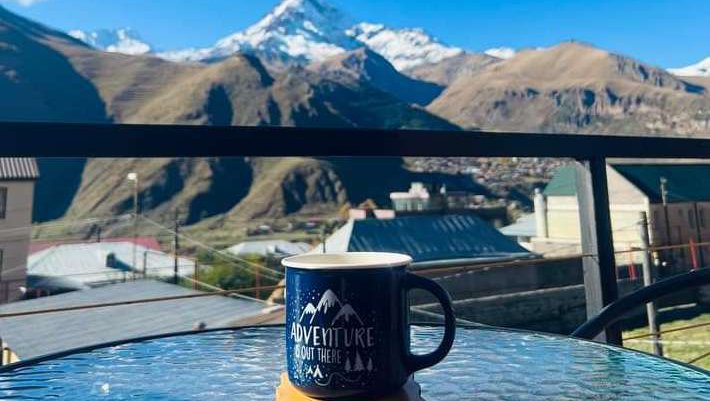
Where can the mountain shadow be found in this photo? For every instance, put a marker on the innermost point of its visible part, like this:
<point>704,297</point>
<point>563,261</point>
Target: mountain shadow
<point>51,201</point>
<point>38,83</point>
<point>375,177</point>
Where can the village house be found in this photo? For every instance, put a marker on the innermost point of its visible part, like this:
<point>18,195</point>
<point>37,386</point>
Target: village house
<point>678,209</point>
<point>17,181</point>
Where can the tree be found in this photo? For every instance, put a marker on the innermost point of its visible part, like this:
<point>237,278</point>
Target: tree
<point>358,363</point>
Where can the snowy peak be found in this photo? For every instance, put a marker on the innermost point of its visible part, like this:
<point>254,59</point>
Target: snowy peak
<point>327,301</point>
<point>347,313</point>
<point>308,310</point>
<point>299,30</point>
<point>404,48</point>
<point>701,69</point>
<point>501,52</point>
<point>308,31</point>
<point>123,40</point>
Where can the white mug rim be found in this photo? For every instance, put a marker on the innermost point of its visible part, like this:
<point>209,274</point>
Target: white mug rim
<point>347,260</point>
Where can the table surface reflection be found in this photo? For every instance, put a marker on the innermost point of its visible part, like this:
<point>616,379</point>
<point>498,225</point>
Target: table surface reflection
<point>244,364</point>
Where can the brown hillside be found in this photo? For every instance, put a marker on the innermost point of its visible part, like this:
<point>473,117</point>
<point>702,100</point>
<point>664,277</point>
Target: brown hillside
<point>452,68</point>
<point>574,87</point>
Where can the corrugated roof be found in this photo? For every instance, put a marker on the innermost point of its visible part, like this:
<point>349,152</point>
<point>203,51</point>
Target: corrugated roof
<point>427,238</point>
<point>686,182</point>
<point>525,226</point>
<point>85,263</point>
<point>269,247</point>
<point>36,335</point>
<point>18,168</point>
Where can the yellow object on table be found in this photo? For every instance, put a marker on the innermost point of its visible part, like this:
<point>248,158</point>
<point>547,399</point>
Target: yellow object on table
<point>286,392</point>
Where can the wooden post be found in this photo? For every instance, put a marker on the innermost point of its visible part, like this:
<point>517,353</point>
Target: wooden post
<point>196,275</point>
<point>693,256</point>
<point>176,246</point>
<point>597,241</point>
<point>648,278</point>
<point>257,282</point>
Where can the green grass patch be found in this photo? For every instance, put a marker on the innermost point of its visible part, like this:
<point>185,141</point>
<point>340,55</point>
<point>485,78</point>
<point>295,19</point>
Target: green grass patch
<point>683,345</point>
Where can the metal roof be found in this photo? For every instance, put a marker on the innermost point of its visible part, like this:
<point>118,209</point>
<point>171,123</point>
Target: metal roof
<point>18,168</point>
<point>86,263</point>
<point>563,183</point>
<point>36,335</point>
<point>426,238</point>
<point>525,226</point>
<point>684,181</point>
<point>269,247</point>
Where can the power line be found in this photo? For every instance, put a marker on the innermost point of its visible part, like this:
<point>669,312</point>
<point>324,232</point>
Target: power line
<point>222,253</point>
<point>134,302</point>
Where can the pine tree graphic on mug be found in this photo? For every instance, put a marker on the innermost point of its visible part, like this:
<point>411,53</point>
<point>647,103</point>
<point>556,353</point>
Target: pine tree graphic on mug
<point>331,339</point>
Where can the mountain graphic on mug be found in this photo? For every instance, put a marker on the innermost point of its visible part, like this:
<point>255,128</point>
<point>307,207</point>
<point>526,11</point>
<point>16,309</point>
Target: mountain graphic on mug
<point>323,311</point>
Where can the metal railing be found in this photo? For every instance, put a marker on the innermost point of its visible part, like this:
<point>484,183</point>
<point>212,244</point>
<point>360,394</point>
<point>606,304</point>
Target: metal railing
<point>591,152</point>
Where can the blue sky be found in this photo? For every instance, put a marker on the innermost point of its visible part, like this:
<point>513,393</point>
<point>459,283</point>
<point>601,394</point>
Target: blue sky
<point>667,33</point>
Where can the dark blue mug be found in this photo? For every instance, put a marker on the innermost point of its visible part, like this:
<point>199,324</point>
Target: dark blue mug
<point>347,324</point>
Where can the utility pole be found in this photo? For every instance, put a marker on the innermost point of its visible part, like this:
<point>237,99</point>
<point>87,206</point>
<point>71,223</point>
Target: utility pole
<point>196,275</point>
<point>257,282</point>
<point>176,245</point>
<point>133,177</point>
<point>648,279</point>
<point>323,237</point>
<point>664,199</point>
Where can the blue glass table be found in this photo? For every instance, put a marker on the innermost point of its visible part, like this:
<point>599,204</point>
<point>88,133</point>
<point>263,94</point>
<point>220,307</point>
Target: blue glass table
<point>244,364</point>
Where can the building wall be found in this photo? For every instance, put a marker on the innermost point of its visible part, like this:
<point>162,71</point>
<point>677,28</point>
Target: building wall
<point>626,202</point>
<point>15,238</point>
<point>557,310</point>
<point>685,223</point>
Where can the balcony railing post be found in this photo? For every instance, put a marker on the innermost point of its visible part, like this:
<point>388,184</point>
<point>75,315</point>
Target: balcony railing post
<point>596,236</point>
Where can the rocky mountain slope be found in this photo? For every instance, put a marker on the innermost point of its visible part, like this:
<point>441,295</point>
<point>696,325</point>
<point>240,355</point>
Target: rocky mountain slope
<point>365,66</point>
<point>86,85</point>
<point>575,87</point>
<point>448,70</point>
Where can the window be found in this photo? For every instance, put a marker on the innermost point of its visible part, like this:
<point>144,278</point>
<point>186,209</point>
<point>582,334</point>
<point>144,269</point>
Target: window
<point>1,257</point>
<point>702,218</point>
<point>3,202</point>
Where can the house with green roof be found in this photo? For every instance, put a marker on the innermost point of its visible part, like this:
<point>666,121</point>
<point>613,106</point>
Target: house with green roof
<point>676,198</point>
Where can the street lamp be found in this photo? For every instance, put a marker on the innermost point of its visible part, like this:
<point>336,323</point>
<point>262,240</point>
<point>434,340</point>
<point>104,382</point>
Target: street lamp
<point>133,177</point>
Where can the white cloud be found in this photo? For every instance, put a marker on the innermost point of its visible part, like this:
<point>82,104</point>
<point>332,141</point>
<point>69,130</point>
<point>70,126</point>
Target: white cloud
<point>24,3</point>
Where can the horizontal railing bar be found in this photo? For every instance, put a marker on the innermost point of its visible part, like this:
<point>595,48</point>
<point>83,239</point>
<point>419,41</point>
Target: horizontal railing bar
<point>698,358</point>
<point>692,326</point>
<point>134,140</point>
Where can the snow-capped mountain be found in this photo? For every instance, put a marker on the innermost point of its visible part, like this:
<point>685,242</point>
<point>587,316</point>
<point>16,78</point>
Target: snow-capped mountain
<point>123,40</point>
<point>346,313</point>
<point>501,52</point>
<point>327,301</point>
<point>309,310</point>
<point>701,69</point>
<point>403,48</point>
<point>300,30</point>
<point>309,31</point>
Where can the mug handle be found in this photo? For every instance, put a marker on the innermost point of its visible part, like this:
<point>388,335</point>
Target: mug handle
<point>413,362</point>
